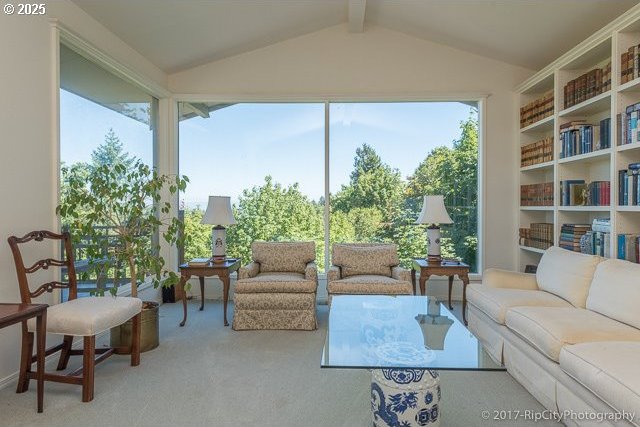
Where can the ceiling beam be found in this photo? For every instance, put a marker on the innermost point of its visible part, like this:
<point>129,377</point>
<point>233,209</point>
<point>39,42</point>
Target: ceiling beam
<point>356,15</point>
<point>198,109</point>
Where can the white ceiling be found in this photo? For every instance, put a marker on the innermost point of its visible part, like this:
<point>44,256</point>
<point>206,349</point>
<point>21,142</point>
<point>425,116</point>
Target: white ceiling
<point>179,34</point>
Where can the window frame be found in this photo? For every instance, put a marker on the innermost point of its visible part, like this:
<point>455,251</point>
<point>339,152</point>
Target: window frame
<point>477,98</point>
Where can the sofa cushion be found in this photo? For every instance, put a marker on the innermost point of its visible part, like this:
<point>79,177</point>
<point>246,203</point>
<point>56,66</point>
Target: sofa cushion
<point>550,328</point>
<point>567,274</point>
<point>615,291</point>
<point>283,256</point>
<point>276,282</point>
<point>84,317</point>
<point>365,258</point>
<point>494,302</point>
<point>368,284</point>
<point>609,370</point>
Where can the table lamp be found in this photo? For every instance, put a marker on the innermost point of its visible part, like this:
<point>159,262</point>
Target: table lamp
<point>218,214</point>
<point>433,213</point>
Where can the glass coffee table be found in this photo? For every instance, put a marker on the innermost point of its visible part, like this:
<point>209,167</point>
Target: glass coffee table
<point>404,341</point>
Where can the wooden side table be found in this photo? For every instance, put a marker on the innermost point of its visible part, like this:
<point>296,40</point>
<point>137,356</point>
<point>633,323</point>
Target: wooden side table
<point>445,268</point>
<point>11,314</point>
<point>223,270</point>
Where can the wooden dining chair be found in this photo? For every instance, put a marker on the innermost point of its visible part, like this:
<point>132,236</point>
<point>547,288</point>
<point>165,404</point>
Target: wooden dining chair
<point>77,317</point>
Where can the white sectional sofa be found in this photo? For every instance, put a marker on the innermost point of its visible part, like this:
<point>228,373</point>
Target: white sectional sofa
<point>570,334</point>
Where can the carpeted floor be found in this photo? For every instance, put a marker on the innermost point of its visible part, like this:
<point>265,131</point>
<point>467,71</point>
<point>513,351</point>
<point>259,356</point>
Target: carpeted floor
<point>207,375</point>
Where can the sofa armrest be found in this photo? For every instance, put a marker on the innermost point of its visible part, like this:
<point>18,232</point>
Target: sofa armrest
<point>401,274</point>
<point>248,271</point>
<point>311,271</point>
<point>333,273</point>
<point>497,278</point>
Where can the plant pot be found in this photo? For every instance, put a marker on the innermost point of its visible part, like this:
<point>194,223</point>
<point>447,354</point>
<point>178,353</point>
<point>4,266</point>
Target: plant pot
<point>149,330</point>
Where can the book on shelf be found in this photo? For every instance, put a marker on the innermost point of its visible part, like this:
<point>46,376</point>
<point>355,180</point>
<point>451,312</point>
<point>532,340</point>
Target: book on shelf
<point>576,192</point>
<point>588,85</point>
<point>538,235</point>
<point>628,247</point>
<point>537,152</point>
<point>199,262</point>
<point>536,194</point>
<point>627,129</point>
<point>571,235</point>
<point>628,188</point>
<point>536,110</point>
<point>580,137</point>
<point>630,64</point>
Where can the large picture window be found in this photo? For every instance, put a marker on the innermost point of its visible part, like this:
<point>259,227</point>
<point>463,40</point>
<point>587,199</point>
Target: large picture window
<point>104,120</point>
<point>384,157</point>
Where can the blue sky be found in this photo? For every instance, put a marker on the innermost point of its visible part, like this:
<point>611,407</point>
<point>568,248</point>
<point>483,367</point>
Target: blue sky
<point>239,145</point>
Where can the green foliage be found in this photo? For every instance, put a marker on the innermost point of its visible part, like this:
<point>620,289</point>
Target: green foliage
<point>272,212</point>
<point>123,206</point>
<point>111,152</point>
<point>199,235</point>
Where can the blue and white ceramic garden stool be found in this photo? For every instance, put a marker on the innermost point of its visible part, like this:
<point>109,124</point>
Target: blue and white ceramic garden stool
<point>405,397</point>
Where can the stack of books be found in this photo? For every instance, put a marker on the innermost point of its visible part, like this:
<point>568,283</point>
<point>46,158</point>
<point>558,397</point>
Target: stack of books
<point>538,235</point>
<point>576,192</point>
<point>588,85</point>
<point>598,240</point>
<point>538,152</point>
<point>570,235</point>
<point>580,137</point>
<point>199,262</point>
<point>628,125</point>
<point>628,188</point>
<point>537,110</point>
<point>536,194</point>
<point>628,247</point>
<point>629,64</point>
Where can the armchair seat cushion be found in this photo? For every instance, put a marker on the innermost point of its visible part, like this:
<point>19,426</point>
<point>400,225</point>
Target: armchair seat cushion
<point>84,317</point>
<point>609,370</point>
<point>548,329</point>
<point>276,282</point>
<point>494,302</point>
<point>370,284</point>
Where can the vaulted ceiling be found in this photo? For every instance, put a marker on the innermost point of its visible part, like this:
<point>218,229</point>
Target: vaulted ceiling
<point>179,34</point>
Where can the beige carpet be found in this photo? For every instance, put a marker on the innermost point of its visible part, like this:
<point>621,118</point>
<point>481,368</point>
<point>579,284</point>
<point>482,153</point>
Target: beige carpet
<point>207,375</point>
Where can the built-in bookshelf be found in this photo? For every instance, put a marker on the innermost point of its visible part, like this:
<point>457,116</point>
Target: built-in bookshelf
<point>593,127</point>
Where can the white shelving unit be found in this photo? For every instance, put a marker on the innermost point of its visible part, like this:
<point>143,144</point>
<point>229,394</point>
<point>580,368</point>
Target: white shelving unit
<point>607,44</point>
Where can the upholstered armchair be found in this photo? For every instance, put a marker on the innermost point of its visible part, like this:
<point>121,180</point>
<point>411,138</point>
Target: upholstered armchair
<point>367,268</point>
<point>277,290</point>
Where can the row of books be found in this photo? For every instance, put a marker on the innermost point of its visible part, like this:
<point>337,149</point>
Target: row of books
<point>588,85</point>
<point>628,125</point>
<point>579,137</point>
<point>538,235</point>
<point>536,110</point>
<point>628,247</point>
<point>536,194</point>
<point>576,192</point>
<point>628,188</point>
<point>630,64</point>
<point>593,239</point>
<point>538,152</point>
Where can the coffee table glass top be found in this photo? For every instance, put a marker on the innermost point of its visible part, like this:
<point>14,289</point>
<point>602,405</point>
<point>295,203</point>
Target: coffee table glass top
<point>413,332</point>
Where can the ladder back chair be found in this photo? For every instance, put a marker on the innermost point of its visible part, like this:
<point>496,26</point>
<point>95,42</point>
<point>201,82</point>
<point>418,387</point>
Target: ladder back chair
<point>77,317</point>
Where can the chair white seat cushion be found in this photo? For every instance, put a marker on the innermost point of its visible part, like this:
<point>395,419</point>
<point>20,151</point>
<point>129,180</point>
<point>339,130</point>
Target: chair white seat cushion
<point>548,329</point>
<point>370,284</point>
<point>84,317</point>
<point>609,369</point>
<point>494,302</point>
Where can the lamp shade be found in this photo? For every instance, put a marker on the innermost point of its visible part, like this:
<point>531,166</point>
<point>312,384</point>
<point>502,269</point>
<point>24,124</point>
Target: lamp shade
<point>219,211</point>
<point>433,211</point>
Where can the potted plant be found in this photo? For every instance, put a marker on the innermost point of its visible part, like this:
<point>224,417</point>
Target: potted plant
<point>122,205</point>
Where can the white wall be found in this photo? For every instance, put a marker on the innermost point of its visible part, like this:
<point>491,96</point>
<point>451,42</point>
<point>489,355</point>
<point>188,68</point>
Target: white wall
<point>333,63</point>
<point>28,164</point>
